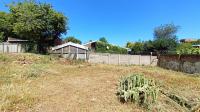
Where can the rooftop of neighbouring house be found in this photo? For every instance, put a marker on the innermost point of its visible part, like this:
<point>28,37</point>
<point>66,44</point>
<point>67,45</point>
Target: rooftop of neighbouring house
<point>89,42</point>
<point>10,39</point>
<point>188,40</point>
<point>70,44</point>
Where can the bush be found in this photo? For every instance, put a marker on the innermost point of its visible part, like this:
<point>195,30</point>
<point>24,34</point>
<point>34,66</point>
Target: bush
<point>103,47</point>
<point>190,51</point>
<point>138,89</point>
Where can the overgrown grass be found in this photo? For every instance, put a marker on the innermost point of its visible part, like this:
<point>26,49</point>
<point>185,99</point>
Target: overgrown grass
<point>16,72</point>
<point>4,58</point>
<point>20,72</point>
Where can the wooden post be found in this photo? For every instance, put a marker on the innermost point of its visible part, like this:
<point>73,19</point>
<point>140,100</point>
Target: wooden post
<point>119,59</point>
<point>77,53</point>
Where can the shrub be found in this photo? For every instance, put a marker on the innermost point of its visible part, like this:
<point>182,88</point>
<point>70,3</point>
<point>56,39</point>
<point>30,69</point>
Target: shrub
<point>189,51</point>
<point>138,89</point>
<point>103,47</point>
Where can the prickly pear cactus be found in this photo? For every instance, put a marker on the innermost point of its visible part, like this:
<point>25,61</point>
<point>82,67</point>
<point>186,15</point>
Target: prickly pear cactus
<point>138,89</point>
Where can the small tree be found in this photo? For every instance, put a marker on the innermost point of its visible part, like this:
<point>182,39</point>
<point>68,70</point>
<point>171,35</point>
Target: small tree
<point>72,39</point>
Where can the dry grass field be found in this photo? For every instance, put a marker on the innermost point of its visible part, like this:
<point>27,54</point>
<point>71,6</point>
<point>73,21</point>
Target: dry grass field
<point>37,83</point>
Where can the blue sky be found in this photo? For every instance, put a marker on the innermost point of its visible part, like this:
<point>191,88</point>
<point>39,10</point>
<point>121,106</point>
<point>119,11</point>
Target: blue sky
<point>126,20</point>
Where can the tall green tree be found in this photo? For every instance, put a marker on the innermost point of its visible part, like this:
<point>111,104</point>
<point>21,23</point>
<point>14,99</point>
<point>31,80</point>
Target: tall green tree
<point>103,39</point>
<point>165,38</point>
<point>72,39</point>
<point>37,22</point>
<point>167,31</point>
<point>6,26</point>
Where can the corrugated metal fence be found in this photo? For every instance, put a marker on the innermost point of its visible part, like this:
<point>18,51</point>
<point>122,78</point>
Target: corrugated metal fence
<point>119,59</point>
<point>11,48</point>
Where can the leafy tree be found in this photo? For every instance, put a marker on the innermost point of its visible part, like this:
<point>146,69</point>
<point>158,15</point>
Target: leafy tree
<point>1,37</point>
<point>164,45</point>
<point>184,46</point>
<point>37,22</point>
<point>5,25</point>
<point>149,46</point>
<point>130,45</point>
<point>103,39</point>
<point>72,39</point>
<point>165,38</point>
<point>138,48</point>
<point>167,31</point>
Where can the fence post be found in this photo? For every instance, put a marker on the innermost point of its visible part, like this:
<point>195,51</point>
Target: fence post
<point>139,59</point>
<point>3,47</point>
<point>150,58</point>
<point>17,48</point>
<point>7,50</point>
<point>77,53</point>
<point>129,61</point>
<point>69,52</point>
<point>108,58</point>
<point>119,59</point>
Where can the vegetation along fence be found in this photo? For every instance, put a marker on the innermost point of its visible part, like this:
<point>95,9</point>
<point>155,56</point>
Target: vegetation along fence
<point>119,59</point>
<point>11,48</point>
<point>183,63</point>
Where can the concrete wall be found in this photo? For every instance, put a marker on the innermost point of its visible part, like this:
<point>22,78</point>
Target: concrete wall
<point>11,48</point>
<point>118,59</point>
<point>185,63</point>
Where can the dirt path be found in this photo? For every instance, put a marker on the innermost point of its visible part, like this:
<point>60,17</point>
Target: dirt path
<point>73,92</point>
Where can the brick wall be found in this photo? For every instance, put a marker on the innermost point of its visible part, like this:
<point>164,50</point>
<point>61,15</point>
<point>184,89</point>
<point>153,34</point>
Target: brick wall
<point>185,63</point>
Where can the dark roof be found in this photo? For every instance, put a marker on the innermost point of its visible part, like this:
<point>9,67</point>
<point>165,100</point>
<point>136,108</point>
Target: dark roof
<point>188,40</point>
